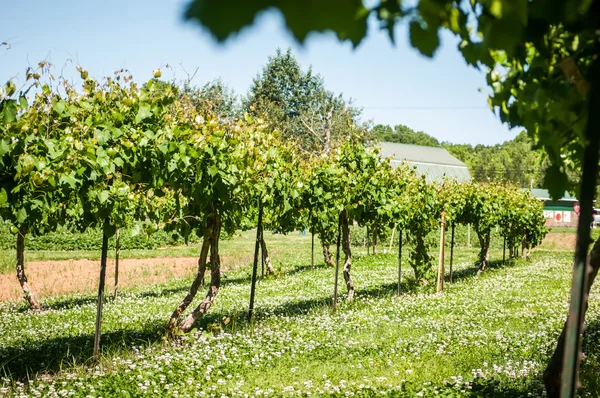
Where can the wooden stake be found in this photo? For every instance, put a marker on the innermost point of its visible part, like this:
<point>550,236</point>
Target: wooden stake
<point>255,264</point>
<point>451,250</point>
<point>100,303</point>
<point>399,262</point>
<point>312,249</point>
<point>117,252</point>
<point>469,236</point>
<point>392,239</point>
<point>440,281</point>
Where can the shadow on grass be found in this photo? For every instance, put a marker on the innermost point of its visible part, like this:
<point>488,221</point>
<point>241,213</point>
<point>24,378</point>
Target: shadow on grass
<point>499,389</point>
<point>70,303</point>
<point>23,362</point>
<point>54,354</point>
<point>465,273</point>
<point>590,368</point>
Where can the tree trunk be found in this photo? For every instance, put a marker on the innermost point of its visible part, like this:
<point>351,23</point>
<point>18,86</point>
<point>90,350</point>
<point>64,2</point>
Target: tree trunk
<point>327,255</point>
<point>265,256</point>
<point>28,292</point>
<point>564,364</point>
<point>374,240</point>
<point>484,250</point>
<point>117,252</point>
<point>215,280</point>
<point>524,247</point>
<point>553,372</point>
<point>198,280</point>
<point>347,255</point>
<point>100,303</point>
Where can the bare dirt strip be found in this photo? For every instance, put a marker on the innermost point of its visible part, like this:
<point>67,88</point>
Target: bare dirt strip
<point>53,278</point>
<point>559,241</point>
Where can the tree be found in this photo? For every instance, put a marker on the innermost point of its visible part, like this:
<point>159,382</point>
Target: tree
<point>403,135</point>
<point>297,103</point>
<point>32,196</point>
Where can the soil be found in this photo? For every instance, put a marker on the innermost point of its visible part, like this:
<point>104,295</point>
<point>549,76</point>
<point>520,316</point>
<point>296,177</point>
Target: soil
<point>559,241</point>
<point>53,278</point>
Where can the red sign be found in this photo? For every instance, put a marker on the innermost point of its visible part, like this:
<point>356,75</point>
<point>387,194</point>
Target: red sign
<point>558,216</point>
<point>576,208</point>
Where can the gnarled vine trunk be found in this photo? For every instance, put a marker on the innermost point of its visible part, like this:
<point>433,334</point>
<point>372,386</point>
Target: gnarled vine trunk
<point>553,372</point>
<point>347,254</point>
<point>28,292</point>
<point>215,280</point>
<point>199,279</point>
<point>327,255</point>
<point>484,250</point>
<point>420,261</point>
<point>265,256</point>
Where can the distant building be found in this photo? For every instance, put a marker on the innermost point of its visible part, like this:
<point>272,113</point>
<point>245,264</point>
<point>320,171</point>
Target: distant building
<point>434,163</point>
<point>558,213</point>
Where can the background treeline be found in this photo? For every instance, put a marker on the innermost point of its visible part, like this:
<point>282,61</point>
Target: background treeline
<point>512,160</point>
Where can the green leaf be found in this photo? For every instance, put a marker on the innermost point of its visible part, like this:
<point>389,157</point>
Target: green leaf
<point>213,170</point>
<point>68,179</point>
<point>143,113</point>
<point>424,40</point>
<point>102,136</point>
<point>223,18</point>
<point>10,111</point>
<point>496,8</point>
<point>103,196</point>
<point>22,215</point>
<point>23,102</point>
<point>4,146</point>
<point>3,196</point>
<point>59,106</point>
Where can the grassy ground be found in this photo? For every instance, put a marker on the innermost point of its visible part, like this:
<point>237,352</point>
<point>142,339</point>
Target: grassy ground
<point>485,336</point>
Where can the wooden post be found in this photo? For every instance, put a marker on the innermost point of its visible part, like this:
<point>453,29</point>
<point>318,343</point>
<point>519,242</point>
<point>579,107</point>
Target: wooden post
<point>312,249</point>
<point>504,251</point>
<point>524,247</point>
<point>392,239</point>
<point>100,303</point>
<point>451,250</point>
<point>375,236</point>
<point>117,252</point>
<point>255,264</point>
<point>367,239</point>
<point>440,281</point>
<point>399,261</point>
<point>337,265</point>
<point>469,236</point>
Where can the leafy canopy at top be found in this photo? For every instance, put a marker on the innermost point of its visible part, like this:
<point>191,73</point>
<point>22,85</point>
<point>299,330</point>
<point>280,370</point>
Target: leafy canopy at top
<point>538,55</point>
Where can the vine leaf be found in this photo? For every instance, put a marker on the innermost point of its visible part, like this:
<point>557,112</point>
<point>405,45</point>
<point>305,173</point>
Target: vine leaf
<point>424,40</point>
<point>223,18</point>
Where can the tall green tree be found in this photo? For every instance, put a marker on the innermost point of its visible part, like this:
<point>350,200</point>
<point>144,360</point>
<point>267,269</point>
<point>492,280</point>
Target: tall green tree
<point>402,134</point>
<point>296,102</point>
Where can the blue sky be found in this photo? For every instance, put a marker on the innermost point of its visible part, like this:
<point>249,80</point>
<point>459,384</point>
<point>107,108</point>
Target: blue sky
<point>393,85</point>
